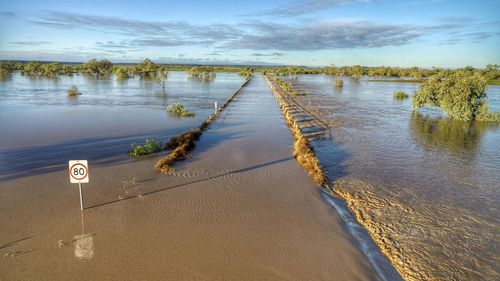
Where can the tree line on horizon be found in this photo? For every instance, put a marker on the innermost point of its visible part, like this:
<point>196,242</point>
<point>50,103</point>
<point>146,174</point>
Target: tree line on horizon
<point>148,69</point>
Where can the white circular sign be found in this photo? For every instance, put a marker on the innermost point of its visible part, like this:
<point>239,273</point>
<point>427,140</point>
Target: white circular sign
<point>78,171</point>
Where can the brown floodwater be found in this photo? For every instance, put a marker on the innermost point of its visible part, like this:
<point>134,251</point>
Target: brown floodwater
<point>42,127</point>
<point>426,187</point>
<point>239,209</point>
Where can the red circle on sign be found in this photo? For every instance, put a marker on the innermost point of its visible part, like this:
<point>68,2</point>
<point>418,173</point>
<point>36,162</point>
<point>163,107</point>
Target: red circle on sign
<point>76,178</point>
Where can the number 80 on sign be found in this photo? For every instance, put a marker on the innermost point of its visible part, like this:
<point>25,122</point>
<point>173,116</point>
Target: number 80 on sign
<point>78,171</point>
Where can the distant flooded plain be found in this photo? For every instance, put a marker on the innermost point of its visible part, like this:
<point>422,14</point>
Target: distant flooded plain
<point>426,187</point>
<point>42,127</point>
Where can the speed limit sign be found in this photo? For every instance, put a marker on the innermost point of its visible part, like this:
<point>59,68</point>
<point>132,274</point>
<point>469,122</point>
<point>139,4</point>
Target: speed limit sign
<point>78,171</point>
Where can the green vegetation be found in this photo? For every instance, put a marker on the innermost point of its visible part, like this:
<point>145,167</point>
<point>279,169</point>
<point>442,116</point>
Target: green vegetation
<point>401,95</point>
<point>203,73</point>
<point>494,82</point>
<point>492,71</point>
<point>161,78</point>
<point>51,70</point>
<point>287,87</point>
<point>247,72</point>
<point>339,83</point>
<point>150,147</point>
<point>6,69</point>
<point>178,110</point>
<point>122,73</point>
<point>461,95</point>
<point>97,68</point>
<point>147,69</point>
<point>32,68</point>
<point>73,91</point>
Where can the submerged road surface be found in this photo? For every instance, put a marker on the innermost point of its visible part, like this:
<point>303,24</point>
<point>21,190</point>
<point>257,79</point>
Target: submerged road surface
<point>240,209</point>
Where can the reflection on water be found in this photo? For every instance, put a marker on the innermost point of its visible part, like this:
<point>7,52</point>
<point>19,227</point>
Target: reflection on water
<point>457,136</point>
<point>84,246</point>
<point>426,187</point>
<point>84,243</point>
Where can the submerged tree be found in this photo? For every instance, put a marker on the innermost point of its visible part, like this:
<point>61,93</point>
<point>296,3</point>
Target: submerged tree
<point>492,71</point>
<point>122,73</point>
<point>97,68</point>
<point>32,68</point>
<point>161,78</point>
<point>339,83</point>
<point>147,69</point>
<point>247,72</point>
<point>461,95</point>
<point>203,73</point>
<point>6,69</point>
<point>51,69</point>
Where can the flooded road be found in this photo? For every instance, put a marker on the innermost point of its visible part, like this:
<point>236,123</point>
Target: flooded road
<point>239,209</point>
<point>427,188</point>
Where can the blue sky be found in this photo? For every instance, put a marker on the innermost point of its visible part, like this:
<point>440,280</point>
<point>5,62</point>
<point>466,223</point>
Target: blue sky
<point>421,33</point>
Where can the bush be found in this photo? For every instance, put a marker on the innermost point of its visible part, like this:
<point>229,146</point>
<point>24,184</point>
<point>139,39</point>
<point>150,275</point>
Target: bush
<point>401,95</point>
<point>97,68</point>
<point>147,69</point>
<point>339,83</point>
<point>6,70</point>
<point>178,110</point>
<point>73,91</point>
<point>122,73</point>
<point>150,147</point>
<point>461,95</point>
<point>203,73</point>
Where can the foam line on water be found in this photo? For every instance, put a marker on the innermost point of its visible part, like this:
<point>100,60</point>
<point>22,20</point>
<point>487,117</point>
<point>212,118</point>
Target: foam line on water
<point>380,263</point>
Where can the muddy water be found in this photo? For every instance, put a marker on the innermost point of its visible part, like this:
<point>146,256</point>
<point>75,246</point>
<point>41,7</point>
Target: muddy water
<point>38,118</point>
<point>239,209</point>
<point>427,188</point>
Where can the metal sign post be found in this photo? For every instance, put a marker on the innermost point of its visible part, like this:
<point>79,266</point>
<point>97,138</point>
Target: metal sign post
<point>79,173</point>
<point>81,198</point>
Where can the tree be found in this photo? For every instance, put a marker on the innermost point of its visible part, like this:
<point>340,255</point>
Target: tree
<point>51,69</point>
<point>6,69</point>
<point>122,73</point>
<point>492,71</point>
<point>147,69</point>
<point>33,68</point>
<point>97,68</point>
<point>247,72</point>
<point>161,79</point>
<point>462,96</point>
<point>203,73</point>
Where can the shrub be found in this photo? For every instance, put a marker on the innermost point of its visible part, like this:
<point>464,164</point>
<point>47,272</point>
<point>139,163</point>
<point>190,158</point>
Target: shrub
<point>161,78</point>
<point>122,73</point>
<point>147,69</point>
<point>178,110</point>
<point>339,83</point>
<point>461,95</point>
<point>6,70</point>
<point>401,95</point>
<point>73,91</point>
<point>97,68</point>
<point>203,73</point>
<point>150,147</point>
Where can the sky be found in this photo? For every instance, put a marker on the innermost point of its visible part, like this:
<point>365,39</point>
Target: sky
<point>423,33</point>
